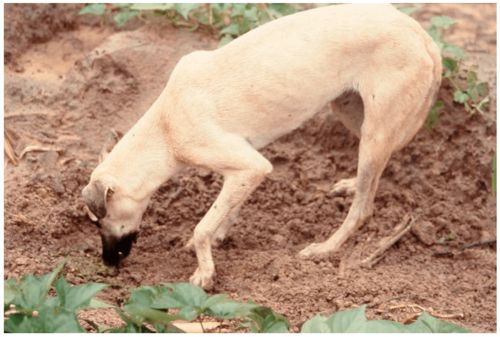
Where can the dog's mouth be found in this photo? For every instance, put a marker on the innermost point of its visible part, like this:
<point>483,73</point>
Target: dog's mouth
<point>114,250</point>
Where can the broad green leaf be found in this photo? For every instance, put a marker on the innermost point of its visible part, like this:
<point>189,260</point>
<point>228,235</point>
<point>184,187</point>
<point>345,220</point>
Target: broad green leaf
<point>381,326</point>
<point>122,17</point>
<point>457,52</point>
<point>433,116</point>
<point>229,309</point>
<point>188,313</point>
<point>316,324</point>
<point>184,8</point>
<point>212,300</point>
<point>426,321</point>
<point>9,291</point>
<point>93,9</point>
<point>275,326</point>
<point>281,9</point>
<point>442,21</point>
<point>49,319</point>
<point>460,96</point>
<point>264,319</point>
<point>237,9</point>
<point>450,64</point>
<point>33,290</point>
<point>250,14</point>
<point>140,313</point>
<point>232,29</point>
<point>77,297</point>
<point>179,295</point>
<point>347,321</point>
<point>98,304</point>
<point>145,295</point>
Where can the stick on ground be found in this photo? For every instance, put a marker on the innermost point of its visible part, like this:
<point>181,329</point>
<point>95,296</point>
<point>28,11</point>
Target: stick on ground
<point>387,242</point>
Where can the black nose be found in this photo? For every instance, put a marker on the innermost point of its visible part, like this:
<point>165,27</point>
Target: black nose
<point>116,249</point>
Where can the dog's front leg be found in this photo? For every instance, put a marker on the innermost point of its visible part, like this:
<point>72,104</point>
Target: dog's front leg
<point>243,169</point>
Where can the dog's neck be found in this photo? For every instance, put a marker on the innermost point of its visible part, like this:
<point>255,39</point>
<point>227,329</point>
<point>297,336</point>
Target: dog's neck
<point>142,160</point>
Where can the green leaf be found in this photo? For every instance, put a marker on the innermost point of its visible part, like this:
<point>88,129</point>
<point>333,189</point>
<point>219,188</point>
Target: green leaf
<point>33,290</point>
<point>93,9</point>
<point>426,321</point>
<point>410,10</point>
<point>225,40</point>
<point>180,295</point>
<point>263,319</point>
<point>442,21</point>
<point>145,295</point>
<point>184,8</point>
<point>237,9</point>
<point>347,321</point>
<point>450,64</point>
<point>232,29</point>
<point>77,297</point>
<point>9,291</point>
<point>188,313</point>
<point>457,52</point>
<point>230,309</point>
<point>98,304</point>
<point>316,324</point>
<point>482,89</point>
<point>471,78</point>
<point>49,319</point>
<point>433,116</point>
<point>460,96</point>
<point>122,17</point>
<point>436,36</point>
<point>281,9</point>
<point>140,313</point>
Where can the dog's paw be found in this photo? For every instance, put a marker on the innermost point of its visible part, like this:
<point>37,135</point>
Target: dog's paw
<point>314,250</point>
<point>344,187</point>
<point>202,279</point>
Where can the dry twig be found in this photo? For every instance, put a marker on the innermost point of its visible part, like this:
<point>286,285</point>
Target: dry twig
<point>387,242</point>
<point>41,148</point>
<point>9,149</point>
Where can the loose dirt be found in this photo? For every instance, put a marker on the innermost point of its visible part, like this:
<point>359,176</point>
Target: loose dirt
<point>66,87</point>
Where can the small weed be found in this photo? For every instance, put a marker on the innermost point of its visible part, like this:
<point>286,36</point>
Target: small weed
<point>31,308</point>
<point>467,90</point>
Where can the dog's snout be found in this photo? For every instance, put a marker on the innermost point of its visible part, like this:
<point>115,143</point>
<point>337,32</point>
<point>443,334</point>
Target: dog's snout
<point>116,249</point>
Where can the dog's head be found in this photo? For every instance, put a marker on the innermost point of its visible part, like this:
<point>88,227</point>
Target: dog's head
<point>117,215</point>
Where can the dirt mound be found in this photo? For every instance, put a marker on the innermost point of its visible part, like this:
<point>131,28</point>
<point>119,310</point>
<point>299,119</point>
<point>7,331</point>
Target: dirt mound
<point>32,23</point>
<point>73,89</point>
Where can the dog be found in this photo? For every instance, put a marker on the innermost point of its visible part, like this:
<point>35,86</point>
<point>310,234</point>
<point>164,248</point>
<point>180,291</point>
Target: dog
<point>376,66</point>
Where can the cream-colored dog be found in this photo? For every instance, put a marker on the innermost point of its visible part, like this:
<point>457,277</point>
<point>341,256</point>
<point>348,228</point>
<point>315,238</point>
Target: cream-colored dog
<point>377,66</point>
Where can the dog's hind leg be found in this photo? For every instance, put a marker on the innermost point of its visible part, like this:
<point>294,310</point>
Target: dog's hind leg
<point>390,122</point>
<point>349,109</point>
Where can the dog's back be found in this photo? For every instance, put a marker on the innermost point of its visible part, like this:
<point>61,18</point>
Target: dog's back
<point>283,72</point>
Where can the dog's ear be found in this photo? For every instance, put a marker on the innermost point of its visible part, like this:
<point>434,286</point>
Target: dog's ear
<point>112,139</point>
<point>96,196</point>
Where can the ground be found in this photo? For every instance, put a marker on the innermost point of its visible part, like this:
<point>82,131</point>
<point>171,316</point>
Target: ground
<point>70,80</point>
